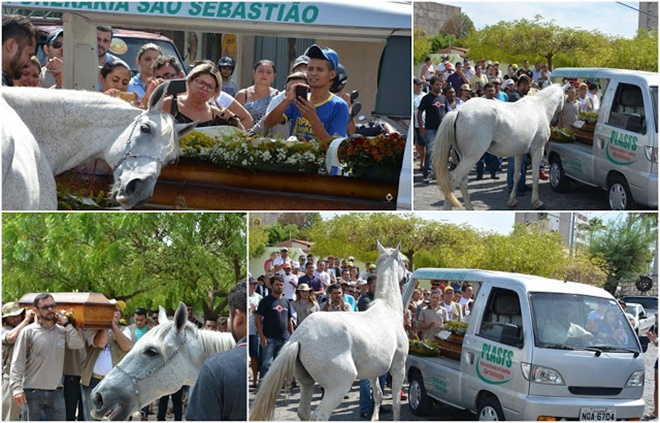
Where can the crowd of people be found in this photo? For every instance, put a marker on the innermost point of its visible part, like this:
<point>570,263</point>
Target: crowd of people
<point>50,366</point>
<point>310,106</point>
<point>445,87</point>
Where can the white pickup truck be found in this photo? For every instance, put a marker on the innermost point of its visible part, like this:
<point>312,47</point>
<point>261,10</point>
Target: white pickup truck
<point>534,349</point>
<point>620,153</point>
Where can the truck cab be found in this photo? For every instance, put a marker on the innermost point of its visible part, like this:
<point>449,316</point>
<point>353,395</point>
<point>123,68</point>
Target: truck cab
<point>534,349</point>
<point>621,155</point>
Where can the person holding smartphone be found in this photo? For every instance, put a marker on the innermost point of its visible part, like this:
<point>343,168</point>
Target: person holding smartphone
<point>319,114</point>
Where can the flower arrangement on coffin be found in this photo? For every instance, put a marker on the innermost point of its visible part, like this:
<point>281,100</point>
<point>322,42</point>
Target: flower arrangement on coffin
<point>455,327</point>
<point>240,150</point>
<point>562,135</point>
<point>377,158</point>
<point>423,348</point>
<point>589,117</point>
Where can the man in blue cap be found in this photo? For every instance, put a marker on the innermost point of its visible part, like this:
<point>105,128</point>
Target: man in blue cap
<point>321,115</point>
<point>51,72</point>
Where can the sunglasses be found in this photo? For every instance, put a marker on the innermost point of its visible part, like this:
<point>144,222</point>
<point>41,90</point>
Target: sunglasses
<point>48,307</point>
<point>57,44</point>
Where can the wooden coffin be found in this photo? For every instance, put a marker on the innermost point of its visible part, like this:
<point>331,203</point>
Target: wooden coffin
<point>452,347</point>
<point>90,310</point>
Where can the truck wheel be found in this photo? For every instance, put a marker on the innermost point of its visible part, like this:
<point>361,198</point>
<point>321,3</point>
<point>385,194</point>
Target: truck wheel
<point>619,194</point>
<point>559,182</point>
<point>419,403</point>
<point>490,410</point>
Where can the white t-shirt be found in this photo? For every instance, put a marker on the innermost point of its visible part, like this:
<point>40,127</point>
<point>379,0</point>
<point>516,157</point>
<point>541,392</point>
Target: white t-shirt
<point>290,285</point>
<point>224,100</point>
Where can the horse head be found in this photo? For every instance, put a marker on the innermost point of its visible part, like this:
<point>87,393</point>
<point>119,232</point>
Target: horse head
<point>142,150</point>
<point>164,359</point>
<point>400,259</point>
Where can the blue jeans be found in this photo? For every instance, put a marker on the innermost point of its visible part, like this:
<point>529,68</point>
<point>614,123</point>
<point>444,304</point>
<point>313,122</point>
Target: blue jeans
<point>50,403</point>
<point>87,398</point>
<point>72,398</point>
<point>177,404</point>
<point>511,164</point>
<point>490,163</point>
<point>366,396</point>
<point>430,137</point>
<point>268,354</point>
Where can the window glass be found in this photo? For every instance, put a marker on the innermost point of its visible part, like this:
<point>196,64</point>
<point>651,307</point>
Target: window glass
<point>627,110</point>
<point>503,309</point>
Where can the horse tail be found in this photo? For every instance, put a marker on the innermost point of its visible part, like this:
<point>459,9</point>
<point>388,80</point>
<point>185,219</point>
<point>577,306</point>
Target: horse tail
<point>443,142</point>
<point>279,375</point>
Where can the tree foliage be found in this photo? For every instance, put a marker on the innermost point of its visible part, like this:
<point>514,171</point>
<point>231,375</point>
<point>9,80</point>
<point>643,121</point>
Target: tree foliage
<point>421,45</point>
<point>145,259</point>
<point>627,246</point>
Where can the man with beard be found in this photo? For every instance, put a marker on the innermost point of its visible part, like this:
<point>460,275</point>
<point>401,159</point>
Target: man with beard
<point>19,43</point>
<point>434,106</point>
<point>219,393</point>
<point>321,115</point>
<point>38,362</point>
<point>103,41</point>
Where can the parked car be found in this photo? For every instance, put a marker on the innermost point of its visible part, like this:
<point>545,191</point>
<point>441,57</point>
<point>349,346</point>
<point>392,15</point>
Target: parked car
<point>125,45</point>
<point>643,321</point>
<point>650,303</point>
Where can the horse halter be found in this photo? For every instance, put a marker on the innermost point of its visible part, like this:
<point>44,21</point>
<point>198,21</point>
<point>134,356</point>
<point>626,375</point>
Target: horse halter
<point>134,379</point>
<point>129,155</point>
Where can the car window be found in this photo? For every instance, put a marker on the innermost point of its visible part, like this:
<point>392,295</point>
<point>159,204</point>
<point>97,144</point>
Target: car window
<point>503,308</point>
<point>628,110</point>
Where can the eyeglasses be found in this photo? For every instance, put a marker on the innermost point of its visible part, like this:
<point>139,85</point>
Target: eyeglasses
<point>204,86</point>
<point>426,294</point>
<point>167,76</point>
<point>48,307</point>
<point>57,44</point>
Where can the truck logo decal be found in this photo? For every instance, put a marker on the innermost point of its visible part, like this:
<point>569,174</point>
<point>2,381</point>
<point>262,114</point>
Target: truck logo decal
<point>494,364</point>
<point>621,148</point>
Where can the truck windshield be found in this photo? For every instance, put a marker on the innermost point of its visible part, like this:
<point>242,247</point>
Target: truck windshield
<point>566,321</point>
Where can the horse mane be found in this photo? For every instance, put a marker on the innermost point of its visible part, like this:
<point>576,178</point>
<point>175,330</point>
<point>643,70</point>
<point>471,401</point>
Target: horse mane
<point>213,342</point>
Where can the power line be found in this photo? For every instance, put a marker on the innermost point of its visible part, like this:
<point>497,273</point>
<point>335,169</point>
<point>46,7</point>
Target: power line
<point>636,10</point>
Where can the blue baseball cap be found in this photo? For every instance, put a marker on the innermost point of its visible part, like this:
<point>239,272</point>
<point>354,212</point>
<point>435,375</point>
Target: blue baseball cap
<point>53,35</point>
<point>325,53</point>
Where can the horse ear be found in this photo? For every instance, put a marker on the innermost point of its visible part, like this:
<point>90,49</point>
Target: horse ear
<point>398,248</point>
<point>162,315</point>
<point>184,128</point>
<point>157,97</point>
<point>381,250</point>
<point>180,317</point>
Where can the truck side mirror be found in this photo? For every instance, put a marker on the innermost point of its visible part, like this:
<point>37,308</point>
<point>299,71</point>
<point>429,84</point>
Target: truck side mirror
<point>511,335</point>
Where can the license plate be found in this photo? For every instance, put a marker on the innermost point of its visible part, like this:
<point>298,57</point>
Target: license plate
<point>597,414</point>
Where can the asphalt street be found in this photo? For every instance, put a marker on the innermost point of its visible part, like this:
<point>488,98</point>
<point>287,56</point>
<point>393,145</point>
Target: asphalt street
<point>349,409</point>
<point>492,194</point>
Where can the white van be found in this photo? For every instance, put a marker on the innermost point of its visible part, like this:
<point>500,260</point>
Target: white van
<point>621,156</point>
<point>534,349</point>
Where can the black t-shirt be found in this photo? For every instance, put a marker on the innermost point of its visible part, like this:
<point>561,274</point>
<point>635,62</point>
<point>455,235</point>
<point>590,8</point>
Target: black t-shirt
<point>276,313</point>
<point>435,108</point>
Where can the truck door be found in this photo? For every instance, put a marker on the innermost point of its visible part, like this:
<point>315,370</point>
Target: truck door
<point>495,351</point>
<point>622,138</point>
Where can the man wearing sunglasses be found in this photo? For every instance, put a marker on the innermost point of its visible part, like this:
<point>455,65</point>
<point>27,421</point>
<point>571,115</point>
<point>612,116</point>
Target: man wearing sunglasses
<point>36,378</point>
<point>51,72</point>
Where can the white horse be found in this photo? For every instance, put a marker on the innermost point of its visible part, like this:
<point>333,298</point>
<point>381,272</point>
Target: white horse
<point>72,127</point>
<point>334,349</point>
<point>167,357</point>
<point>502,129</point>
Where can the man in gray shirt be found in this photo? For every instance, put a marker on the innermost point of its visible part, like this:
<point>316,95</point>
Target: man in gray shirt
<point>38,362</point>
<point>14,320</point>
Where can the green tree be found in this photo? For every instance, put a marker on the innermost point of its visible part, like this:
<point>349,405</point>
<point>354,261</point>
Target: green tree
<point>145,259</point>
<point>258,239</point>
<point>627,246</point>
<point>421,45</point>
<point>594,225</point>
<point>534,40</point>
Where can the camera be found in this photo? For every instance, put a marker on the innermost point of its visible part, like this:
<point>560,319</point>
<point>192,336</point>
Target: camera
<point>176,87</point>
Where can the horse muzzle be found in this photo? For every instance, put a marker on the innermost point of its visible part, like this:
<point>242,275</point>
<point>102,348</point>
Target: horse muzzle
<point>136,192</point>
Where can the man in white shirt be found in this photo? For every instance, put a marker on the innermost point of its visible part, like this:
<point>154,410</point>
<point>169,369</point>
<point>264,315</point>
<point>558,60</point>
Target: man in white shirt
<point>290,281</point>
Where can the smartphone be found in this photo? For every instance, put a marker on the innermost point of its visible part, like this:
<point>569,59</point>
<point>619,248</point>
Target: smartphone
<point>301,91</point>
<point>177,86</point>
<point>128,96</point>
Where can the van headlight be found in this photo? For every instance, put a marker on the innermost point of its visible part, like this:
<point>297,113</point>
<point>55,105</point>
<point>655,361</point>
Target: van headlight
<point>636,380</point>
<point>546,375</point>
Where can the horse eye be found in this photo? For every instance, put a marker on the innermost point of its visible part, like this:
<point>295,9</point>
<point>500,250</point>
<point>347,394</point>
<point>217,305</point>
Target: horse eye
<point>151,351</point>
<point>145,129</point>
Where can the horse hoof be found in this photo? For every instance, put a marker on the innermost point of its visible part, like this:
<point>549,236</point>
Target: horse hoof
<point>513,203</point>
<point>539,205</point>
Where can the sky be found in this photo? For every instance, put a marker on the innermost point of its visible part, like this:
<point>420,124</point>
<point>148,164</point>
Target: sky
<point>609,18</point>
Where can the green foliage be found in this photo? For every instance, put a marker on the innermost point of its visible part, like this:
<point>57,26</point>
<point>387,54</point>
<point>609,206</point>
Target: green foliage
<point>627,246</point>
<point>278,233</point>
<point>145,259</point>
<point>258,239</point>
<point>421,45</point>
<point>439,41</point>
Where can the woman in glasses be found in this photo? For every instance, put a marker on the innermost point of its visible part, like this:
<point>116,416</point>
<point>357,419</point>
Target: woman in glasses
<point>203,85</point>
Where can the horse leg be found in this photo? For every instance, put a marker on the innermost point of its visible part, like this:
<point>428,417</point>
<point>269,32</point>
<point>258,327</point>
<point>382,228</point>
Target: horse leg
<point>459,178</point>
<point>536,165</point>
<point>306,392</point>
<point>378,397</point>
<point>464,191</point>
<point>332,398</point>
<point>398,375</point>
<point>516,177</point>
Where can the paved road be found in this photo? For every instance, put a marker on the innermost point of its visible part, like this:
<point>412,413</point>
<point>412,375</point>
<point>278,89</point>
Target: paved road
<point>349,409</point>
<point>491,194</point>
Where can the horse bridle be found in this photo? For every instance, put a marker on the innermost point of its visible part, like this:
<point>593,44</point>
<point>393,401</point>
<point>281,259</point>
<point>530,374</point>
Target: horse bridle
<point>135,379</point>
<point>129,155</point>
